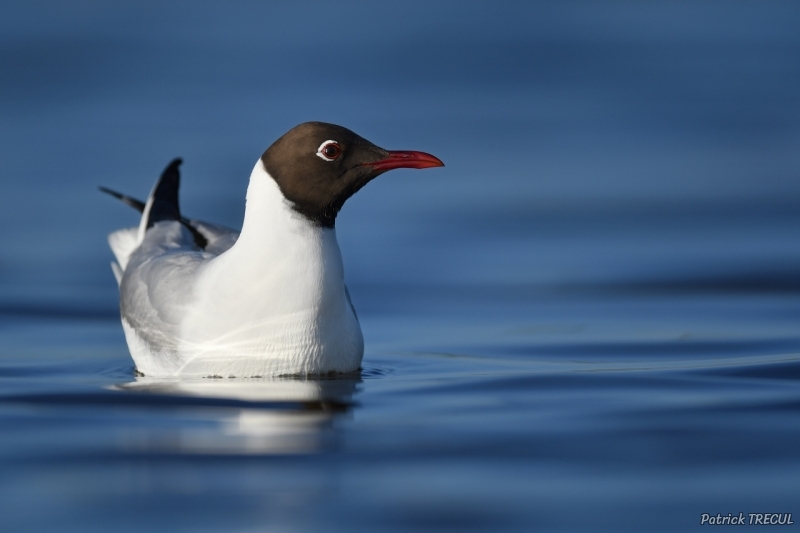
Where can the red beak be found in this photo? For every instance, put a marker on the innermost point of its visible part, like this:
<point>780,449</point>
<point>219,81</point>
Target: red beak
<point>406,159</point>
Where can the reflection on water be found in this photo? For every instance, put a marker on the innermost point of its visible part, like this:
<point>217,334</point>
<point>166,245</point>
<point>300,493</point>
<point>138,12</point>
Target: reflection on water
<point>494,410</point>
<point>245,416</point>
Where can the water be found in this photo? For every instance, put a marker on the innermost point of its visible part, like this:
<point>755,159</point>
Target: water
<point>588,321</point>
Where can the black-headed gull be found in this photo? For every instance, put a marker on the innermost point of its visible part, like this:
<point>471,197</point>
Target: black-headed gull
<point>201,300</point>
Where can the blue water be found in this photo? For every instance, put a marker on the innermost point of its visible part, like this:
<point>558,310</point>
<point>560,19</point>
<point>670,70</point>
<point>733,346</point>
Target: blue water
<point>589,320</point>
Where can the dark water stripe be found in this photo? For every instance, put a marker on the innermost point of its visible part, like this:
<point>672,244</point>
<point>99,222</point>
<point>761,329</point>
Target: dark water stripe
<point>766,281</point>
<point>784,370</point>
<point>121,399</point>
<point>655,348</point>
<point>25,310</point>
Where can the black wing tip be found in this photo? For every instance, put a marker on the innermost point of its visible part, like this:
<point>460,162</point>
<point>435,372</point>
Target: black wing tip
<point>171,172</point>
<point>200,240</point>
<point>163,201</point>
<point>106,190</point>
<point>125,199</point>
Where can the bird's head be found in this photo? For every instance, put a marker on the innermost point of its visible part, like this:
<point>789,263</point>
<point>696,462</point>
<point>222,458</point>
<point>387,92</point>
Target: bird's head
<point>318,166</point>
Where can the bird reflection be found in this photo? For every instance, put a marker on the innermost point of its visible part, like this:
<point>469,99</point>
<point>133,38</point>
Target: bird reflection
<point>242,416</point>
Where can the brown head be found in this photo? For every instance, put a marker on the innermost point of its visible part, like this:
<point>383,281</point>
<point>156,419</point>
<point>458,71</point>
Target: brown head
<point>318,166</point>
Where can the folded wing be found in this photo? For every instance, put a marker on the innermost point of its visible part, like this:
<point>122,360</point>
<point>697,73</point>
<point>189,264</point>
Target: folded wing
<point>163,204</point>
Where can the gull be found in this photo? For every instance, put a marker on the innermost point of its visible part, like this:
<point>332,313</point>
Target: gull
<point>201,300</point>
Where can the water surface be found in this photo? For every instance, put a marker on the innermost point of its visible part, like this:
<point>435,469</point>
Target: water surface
<point>588,321</point>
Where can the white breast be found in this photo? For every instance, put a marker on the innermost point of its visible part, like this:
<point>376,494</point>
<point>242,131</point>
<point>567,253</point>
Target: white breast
<point>274,303</point>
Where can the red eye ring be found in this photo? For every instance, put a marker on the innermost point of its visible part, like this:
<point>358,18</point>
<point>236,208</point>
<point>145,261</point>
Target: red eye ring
<point>329,150</point>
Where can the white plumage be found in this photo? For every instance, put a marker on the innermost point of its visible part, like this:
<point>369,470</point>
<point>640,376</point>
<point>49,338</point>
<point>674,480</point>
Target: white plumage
<point>268,301</point>
<point>201,300</point>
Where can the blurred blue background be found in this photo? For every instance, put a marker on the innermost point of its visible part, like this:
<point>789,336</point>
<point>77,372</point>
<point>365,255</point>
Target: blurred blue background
<point>567,327</point>
<point>667,130</point>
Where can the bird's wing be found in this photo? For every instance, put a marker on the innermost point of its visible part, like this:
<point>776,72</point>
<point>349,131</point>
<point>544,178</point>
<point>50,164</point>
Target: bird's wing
<point>157,291</point>
<point>218,238</point>
<point>162,204</point>
<point>156,283</point>
<point>125,199</point>
<point>158,263</point>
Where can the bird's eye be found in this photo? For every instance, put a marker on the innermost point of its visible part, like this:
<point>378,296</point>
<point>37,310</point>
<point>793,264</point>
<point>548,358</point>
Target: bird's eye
<point>329,150</point>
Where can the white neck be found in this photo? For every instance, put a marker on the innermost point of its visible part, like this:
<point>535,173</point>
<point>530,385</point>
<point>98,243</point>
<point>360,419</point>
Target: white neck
<point>274,303</point>
<point>277,298</point>
<point>281,251</point>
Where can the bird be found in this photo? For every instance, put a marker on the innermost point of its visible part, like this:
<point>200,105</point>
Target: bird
<point>201,300</point>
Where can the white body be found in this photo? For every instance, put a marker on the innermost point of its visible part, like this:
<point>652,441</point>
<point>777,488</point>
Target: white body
<point>270,302</point>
